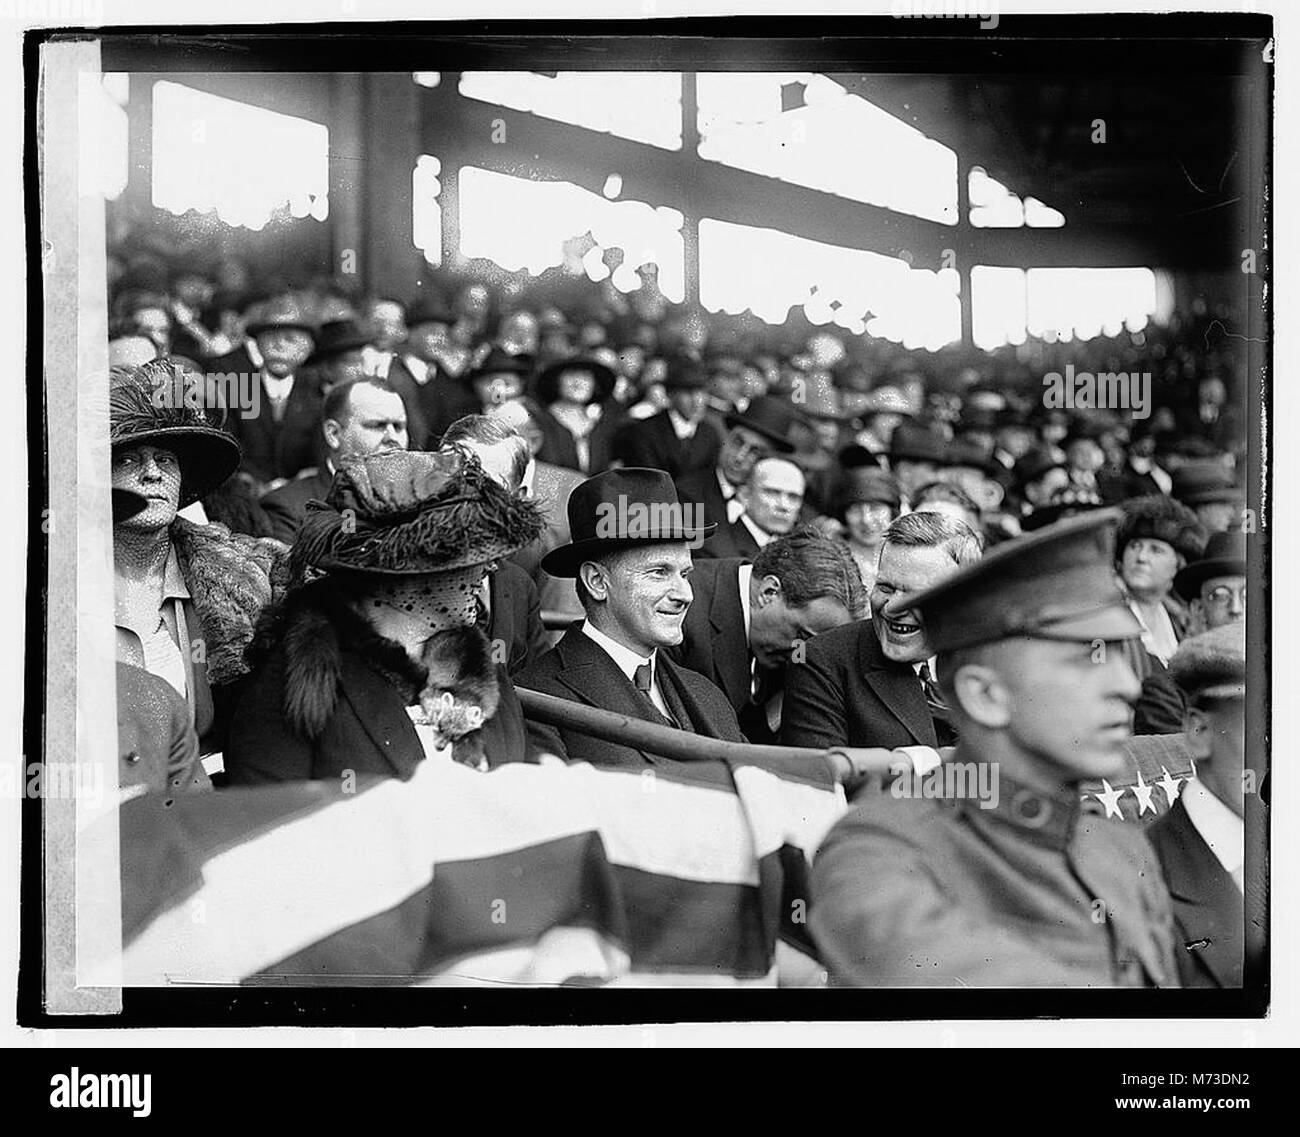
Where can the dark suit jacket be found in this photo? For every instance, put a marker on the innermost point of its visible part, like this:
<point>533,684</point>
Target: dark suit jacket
<point>287,506</point>
<point>729,540</point>
<point>652,443</point>
<point>700,487</point>
<point>578,669</point>
<point>1160,707</point>
<point>515,619</point>
<point>1209,912</point>
<point>433,406</point>
<point>156,745</point>
<point>278,450</point>
<point>847,693</point>
<point>560,449</point>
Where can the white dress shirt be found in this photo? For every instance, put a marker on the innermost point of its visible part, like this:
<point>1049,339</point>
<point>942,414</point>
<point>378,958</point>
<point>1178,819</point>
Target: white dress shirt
<point>683,428</point>
<point>1221,829</point>
<point>761,536</point>
<point>628,661</point>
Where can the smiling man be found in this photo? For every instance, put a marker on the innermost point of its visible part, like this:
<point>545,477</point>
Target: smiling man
<point>635,591</point>
<point>872,683</point>
<point>1022,889</point>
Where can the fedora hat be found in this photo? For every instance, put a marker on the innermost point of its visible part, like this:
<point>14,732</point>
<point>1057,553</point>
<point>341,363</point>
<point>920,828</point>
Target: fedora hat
<point>336,337</point>
<point>142,411</point>
<point>497,361</point>
<point>619,509</point>
<point>413,513</point>
<point>768,416</point>
<point>1225,555</point>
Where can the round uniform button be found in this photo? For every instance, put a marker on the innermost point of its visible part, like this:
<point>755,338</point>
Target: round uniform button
<point>133,757</point>
<point>1032,811</point>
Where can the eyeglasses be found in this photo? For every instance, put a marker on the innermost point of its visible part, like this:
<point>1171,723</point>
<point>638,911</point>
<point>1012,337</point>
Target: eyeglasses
<point>1221,596</point>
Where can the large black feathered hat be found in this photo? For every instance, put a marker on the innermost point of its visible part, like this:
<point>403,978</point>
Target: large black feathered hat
<point>413,514</point>
<point>1160,518</point>
<point>161,403</point>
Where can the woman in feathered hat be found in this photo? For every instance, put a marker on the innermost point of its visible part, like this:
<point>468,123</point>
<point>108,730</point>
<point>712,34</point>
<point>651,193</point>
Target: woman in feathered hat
<point>187,596</point>
<point>376,660</point>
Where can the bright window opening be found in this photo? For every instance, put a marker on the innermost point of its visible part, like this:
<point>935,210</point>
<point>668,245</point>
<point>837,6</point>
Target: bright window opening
<point>769,272</point>
<point>644,106</point>
<point>426,221</point>
<point>993,206</point>
<point>524,225</point>
<point>245,163</point>
<point>807,130</point>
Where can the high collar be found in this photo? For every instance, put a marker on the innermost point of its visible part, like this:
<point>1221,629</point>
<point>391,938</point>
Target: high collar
<point>1041,817</point>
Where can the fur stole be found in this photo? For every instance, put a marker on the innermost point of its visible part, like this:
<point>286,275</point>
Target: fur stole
<point>455,684</point>
<point>233,579</point>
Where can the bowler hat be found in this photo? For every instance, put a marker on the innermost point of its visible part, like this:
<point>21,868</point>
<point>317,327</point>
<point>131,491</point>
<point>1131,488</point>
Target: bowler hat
<point>413,513</point>
<point>281,312</point>
<point>337,337</point>
<point>1057,584</point>
<point>684,374</point>
<point>867,485</point>
<point>769,416</point>
<point>548,382</point>
<point>1225,555</point>
<point>143,410</point>
<point>619,509</point>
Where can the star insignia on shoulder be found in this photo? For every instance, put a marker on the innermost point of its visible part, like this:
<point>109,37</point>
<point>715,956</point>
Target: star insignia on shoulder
<point>1110,799</point>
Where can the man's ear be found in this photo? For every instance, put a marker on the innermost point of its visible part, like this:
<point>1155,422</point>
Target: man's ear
<point>769,588</point>
<point>595,579</point>
<point>982,695</point>
<point>332,430</point>
<point>1199,733</point>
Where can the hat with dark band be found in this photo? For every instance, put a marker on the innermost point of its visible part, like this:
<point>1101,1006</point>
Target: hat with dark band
<point>916,443</point>
<point>150,405</point>
<point>1225,555</point>
<point>1057,584</point>
<point>548,382</point>
<point>1202,482</point>
<point>620,509</point>
<point>337,337</point>
<point>281,312</point>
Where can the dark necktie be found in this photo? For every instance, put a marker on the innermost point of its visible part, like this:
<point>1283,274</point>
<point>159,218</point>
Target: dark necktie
<point>643,677</point>
<point>938,707</point>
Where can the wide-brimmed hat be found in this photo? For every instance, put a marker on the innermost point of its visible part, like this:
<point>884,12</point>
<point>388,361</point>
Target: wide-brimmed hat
<point>868,485</point>
<point>147,405</point>
<point>1203,482</point>
<point>1225,555</point>
<point>917,443</point>
<point>548,382</point>
<point>620,509</point>
<point>769,416</point>
<point>497,361</point>
<point>963,452</point>
<point>281,312</point>
<point>413,513</point>
<point>336,337</point>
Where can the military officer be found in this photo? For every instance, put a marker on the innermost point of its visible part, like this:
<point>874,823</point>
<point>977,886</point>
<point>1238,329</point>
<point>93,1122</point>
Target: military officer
<point>1001,881</point>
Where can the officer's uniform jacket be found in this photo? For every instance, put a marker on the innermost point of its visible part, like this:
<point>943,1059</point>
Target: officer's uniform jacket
<point>1033,892</point>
